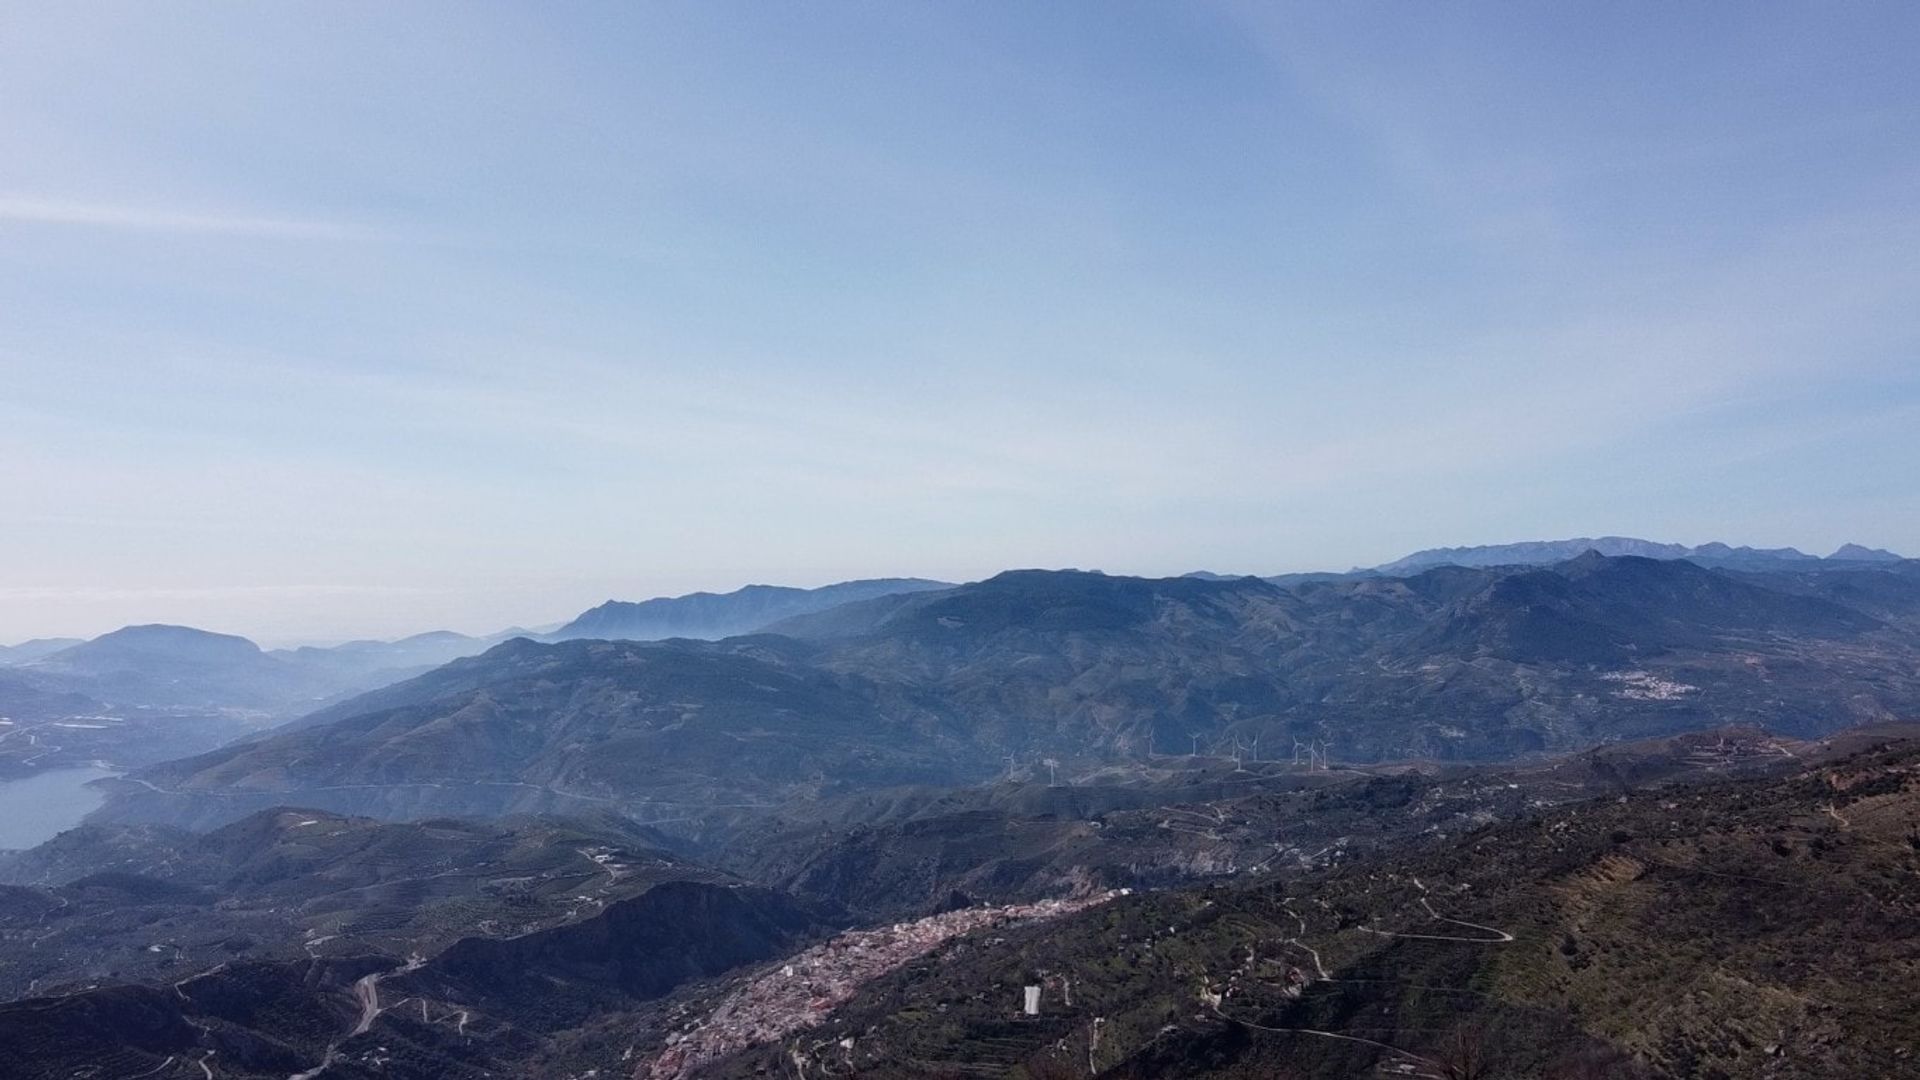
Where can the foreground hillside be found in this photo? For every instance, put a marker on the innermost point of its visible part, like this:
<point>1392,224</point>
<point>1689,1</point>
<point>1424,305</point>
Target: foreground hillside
<point>1093,674</point>
<point>893,854</point>
<point>1700,906</point>
<point>1762,928</point>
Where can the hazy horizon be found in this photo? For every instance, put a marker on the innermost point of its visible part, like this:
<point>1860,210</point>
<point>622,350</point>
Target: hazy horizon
<point>159,600</point>
<point>332,321</point>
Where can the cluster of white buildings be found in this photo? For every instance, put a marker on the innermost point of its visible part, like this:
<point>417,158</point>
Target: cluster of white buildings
<point>803,990</point>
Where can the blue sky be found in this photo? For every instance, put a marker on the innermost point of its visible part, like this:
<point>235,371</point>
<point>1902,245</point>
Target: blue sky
<point>330,319</point>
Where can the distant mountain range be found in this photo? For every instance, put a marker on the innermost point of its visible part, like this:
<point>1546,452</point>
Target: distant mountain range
<point>204,689</point>
<point>29,651</point>
<point>1544,552</point>
<point>179,666</point>
<point>959,685</point>
<point>143,693</point>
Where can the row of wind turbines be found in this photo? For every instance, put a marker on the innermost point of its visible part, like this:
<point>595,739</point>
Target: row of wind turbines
<point>1314,749</point>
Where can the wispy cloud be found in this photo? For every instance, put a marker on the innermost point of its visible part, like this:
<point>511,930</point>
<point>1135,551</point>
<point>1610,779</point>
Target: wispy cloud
<point>32,210</point>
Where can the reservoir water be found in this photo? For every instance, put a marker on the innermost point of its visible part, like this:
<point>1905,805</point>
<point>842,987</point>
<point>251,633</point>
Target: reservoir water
<point>41,806</point>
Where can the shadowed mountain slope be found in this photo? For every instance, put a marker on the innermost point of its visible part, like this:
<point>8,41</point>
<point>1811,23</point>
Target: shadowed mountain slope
<point>661,731</point>
<point>1601,610</point>
<point>289,883</point>
<point>636,950</point>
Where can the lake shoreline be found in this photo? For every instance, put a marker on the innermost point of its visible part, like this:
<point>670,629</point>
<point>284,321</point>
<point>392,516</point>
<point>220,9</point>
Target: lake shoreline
<point>38,807</point>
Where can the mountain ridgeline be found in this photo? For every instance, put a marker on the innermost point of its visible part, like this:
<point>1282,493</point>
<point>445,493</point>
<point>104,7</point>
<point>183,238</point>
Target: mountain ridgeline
<point>718,615</point>
<point>1545,552</point>
<point>1090,673</point>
